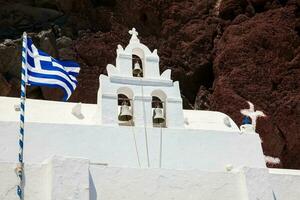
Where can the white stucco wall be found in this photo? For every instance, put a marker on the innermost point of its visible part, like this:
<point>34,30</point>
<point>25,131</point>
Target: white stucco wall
<point>51,128</point>
<point>239,184</point>
<point>54,112</point>
<point>75,179</point>
<point>285,184</point>
<point>142,91</point>
<point>56,178</point>
<point>149,184</point>
<point>181,149</point>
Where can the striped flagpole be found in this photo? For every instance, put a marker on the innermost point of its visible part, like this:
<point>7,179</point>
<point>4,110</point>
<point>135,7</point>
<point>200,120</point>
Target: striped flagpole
<point>19,169</point>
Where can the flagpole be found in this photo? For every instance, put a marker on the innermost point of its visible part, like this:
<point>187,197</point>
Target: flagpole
<point>20,166</point>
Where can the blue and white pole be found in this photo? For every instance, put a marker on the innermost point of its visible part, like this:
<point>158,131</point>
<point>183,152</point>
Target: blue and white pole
<point>20,166</point>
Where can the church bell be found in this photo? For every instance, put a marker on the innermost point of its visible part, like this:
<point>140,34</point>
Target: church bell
<point>137,70</point>
<point>158,116</point>
<point>125,113</point>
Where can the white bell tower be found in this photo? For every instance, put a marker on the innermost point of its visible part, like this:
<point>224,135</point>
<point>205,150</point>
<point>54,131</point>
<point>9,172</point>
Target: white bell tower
<point>136,84</point>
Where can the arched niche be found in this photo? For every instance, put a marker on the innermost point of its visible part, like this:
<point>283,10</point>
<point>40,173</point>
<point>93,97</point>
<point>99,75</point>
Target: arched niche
<point>160,94</point>
<point>139,56</point>
<point>158,108</point>
<point>125,106</point>
<point>126,91</point>
<point>136,65</point>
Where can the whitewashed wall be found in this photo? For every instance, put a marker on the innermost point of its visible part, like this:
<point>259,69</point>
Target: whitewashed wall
<point>61,178</point>
<point>149,184</point>
<point>55,112</point>
<point>285,184</point>
<point>141,90</point>
<point>36,183</point>
<point>181,148</point>
<point>57,178</point>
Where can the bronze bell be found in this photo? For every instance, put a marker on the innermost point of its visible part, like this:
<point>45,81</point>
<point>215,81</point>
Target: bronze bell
<point>125,113</point>
<point>158,116</point>
<point>137,70</point>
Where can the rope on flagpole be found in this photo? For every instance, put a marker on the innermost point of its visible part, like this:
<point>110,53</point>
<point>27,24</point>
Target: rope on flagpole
<point>20,165</point>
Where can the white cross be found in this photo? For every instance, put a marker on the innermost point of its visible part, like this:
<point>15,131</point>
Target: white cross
<point>133,32</point>
<point>252,113</point>
<point>134,35</point>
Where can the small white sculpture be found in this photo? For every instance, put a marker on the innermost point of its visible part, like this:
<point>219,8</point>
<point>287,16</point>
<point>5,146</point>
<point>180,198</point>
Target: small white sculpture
<point>253,114</point>
<point>76,111</point>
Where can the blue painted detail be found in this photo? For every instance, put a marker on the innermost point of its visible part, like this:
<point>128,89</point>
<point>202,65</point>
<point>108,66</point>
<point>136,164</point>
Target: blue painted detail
<point>23,59</point>
<point>19,191</point>
<point>22,118</point>
<point>23,83</point>
<point>246,120</point>
<point>22,94</point>
<point>20,158</point>
<point>23,71</point>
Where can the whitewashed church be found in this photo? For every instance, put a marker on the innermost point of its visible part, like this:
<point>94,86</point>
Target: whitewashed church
<point>136,143</point>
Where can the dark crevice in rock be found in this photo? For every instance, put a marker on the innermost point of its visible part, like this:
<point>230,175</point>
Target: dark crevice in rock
<point>144,18</point>
<point>7,76</point>
<point>281,134</point>
<point>260,7</point>
<point>283,2</point>
<point>109,3</point>
<point>274,86</point>
<point>186,104</point>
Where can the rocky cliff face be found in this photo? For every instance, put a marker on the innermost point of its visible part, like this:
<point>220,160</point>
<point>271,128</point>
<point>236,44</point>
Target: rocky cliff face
<point>223,52</point>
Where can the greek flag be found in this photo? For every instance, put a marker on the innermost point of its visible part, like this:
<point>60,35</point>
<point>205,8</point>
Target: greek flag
<point>43,70</point>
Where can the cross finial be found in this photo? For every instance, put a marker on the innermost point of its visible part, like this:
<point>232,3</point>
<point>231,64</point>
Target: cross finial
<point>134,35</point>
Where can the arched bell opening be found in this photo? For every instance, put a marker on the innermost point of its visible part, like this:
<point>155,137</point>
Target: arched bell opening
<point>137,66</point>
<point>158,112</point>
<point>125,113</point>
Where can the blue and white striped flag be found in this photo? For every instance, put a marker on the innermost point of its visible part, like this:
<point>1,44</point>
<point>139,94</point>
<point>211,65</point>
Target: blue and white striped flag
<point>43,70</point>
<point>40,69</point>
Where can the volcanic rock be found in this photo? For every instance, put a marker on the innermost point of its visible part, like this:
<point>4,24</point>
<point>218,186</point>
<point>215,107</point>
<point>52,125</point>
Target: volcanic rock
<point>229,9</point>
<point>202,99</point>
<point>4,86</point>
<point>250,65</point>
<point>10,51</point>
